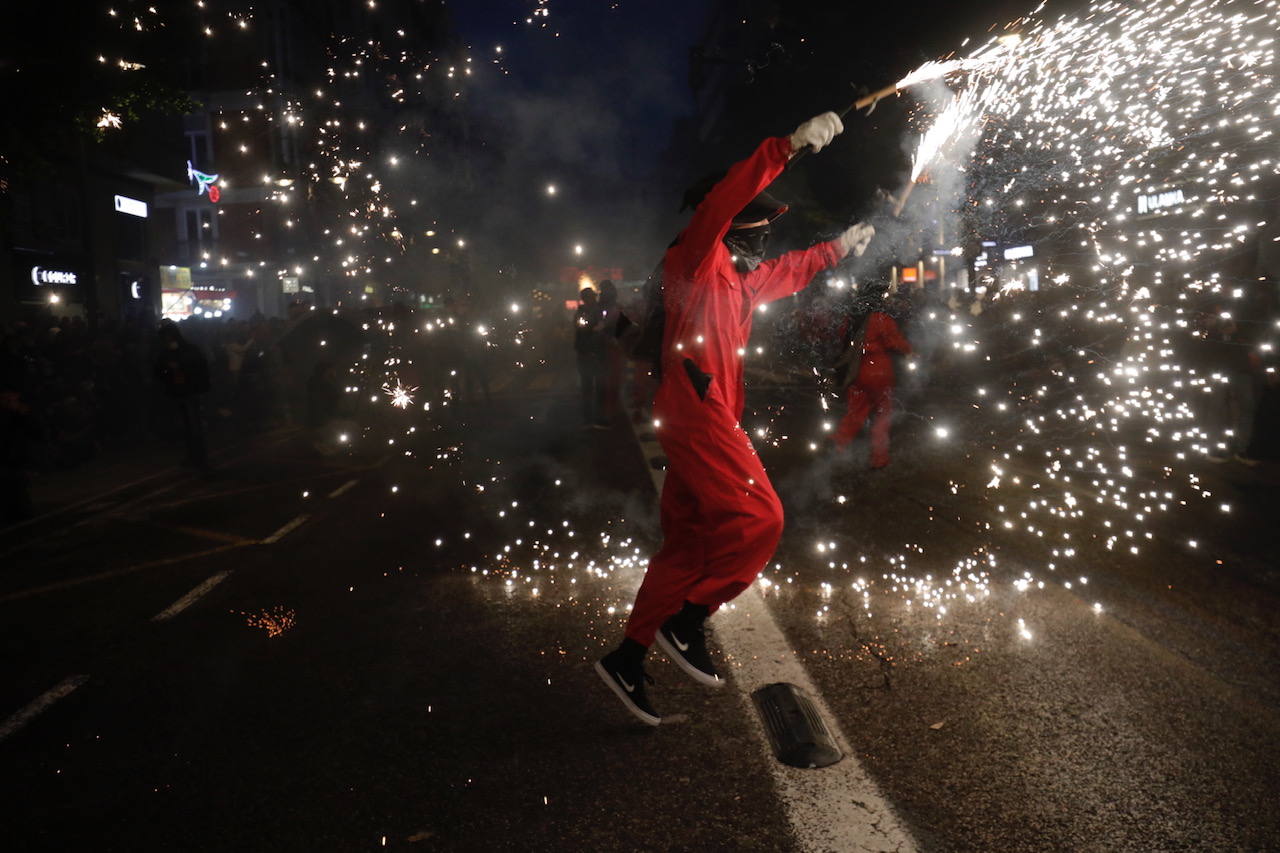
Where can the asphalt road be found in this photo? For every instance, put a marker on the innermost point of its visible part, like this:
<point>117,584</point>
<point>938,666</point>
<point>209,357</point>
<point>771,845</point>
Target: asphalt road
<point>392,646</point>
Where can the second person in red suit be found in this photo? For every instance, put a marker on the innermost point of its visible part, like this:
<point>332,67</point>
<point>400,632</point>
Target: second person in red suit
<point>870,391</point>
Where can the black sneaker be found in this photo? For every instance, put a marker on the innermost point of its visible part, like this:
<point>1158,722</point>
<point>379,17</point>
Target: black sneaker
<point>627,680</point>
<point>687,646</point>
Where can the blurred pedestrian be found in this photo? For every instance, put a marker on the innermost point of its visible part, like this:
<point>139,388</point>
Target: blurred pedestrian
<point>614,325</point>
<point>16,430</point>
<point>182,372</point>
<point>324,400</point>
<point>588,346</point>
<point>473,345</point>
<point>1235,377</point>
<point>235,347</point>
<point>869,378</point>
<point>721,518</point>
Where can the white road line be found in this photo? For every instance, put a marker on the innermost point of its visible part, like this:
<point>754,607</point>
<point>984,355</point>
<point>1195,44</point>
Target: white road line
<point>344,487</point>
<point>836,808</point>
<point>190,598</point>
<point>286,530</point>
<point>65,688</point>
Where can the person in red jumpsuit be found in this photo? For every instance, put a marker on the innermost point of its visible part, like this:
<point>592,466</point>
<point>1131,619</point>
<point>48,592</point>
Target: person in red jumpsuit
<point>871,391</point>
<point>721,518</point>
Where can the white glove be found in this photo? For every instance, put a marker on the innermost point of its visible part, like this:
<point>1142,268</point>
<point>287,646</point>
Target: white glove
<point>856,238</point>
<point>817,132</point>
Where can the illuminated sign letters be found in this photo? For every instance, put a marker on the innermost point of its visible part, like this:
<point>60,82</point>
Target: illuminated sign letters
<point>131,206</point>
<point>41,276</point>
<point>1151,202</point>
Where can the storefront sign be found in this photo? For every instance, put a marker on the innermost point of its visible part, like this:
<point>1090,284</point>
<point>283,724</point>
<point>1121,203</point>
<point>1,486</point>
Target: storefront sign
<point>1151,202</point>
<point>175,278</point>
<point>131,206</point>
<point>1014,253</point>
<point>44,276</point>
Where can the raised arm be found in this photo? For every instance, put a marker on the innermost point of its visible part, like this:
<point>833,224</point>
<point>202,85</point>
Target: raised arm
<point>747,179</point>
<point>743,182</point>
<point>792,272</point>
<point>888,335</point>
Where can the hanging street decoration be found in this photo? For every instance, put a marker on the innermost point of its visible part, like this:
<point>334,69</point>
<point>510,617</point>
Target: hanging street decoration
<point>204,182</point>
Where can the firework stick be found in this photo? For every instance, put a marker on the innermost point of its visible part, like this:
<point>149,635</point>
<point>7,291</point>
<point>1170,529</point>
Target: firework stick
<point>870,100</point>
<point>902,200</point>
<point>861,103</point>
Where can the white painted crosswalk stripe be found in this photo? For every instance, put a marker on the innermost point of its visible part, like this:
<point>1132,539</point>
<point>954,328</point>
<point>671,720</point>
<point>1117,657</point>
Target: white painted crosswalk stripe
<point>286,530</point>
<point>42,702</point>
<point>343,488</point>
<point>190,598</point>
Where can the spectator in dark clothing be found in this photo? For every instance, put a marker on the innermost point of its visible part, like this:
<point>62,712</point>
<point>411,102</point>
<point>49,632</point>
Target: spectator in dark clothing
<point>1234,375</point>
<point>471,380</point>
<point>16,428</point>
<point>182,371</point>
<point>324,404</point>
<point>588,345</point>
<point>614,324</point>
<point>323,395</point>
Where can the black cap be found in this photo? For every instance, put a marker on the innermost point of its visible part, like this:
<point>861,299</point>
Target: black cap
<point>763,206</point>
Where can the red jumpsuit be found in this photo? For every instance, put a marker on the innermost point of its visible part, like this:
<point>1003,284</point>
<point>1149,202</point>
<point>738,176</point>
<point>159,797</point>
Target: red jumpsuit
<point>721,519</point>
<point>872,391</point>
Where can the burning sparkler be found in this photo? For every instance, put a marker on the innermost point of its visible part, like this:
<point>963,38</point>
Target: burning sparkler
<point>401,397</point>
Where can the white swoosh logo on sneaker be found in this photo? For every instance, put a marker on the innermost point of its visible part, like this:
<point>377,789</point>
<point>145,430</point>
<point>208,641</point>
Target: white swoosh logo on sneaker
<point>623,682</point>
<point>684,647</point>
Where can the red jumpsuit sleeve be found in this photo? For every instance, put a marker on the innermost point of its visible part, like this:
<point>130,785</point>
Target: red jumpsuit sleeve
<point>743,182</point>
<point>888,335</point>
<point>789,273</point>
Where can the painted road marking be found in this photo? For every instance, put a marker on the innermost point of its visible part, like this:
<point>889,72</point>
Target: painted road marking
<point>123,570</point>
<point>343,488</point>
<point>151,564</point>
<point>190,598</point>
<point>286,530</point>
<point>201,533</point>
<point>837,807</point>
<point>65,688</point>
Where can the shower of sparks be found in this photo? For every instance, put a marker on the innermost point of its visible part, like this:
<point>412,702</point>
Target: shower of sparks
<point>401,397</point>
<point>958,114</point>
<point>1159,162</point>
<point>1138,135</point>
<point>995,51</point>
<point>109,121</point>
<point>1134,146</point>
<point>931,70</point>
<point>274,620</point>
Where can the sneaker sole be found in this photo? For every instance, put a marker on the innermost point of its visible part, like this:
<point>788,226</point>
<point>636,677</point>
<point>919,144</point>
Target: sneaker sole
<point>641,715</point>
<point>691,670</point>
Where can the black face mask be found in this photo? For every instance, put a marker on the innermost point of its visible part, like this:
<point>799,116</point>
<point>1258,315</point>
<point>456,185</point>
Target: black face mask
<point>747,246</point>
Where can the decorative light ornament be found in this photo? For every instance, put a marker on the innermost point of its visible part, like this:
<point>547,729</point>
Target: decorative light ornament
<point>204,182</point>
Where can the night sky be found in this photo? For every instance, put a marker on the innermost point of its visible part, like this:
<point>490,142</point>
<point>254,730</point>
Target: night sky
<point>596,92</point>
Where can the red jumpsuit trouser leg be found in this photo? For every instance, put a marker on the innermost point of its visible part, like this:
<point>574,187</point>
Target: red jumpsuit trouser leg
<point>882,417</point>
<point>721,521</point>
<point>854,417</point>
<point>875,401</point>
